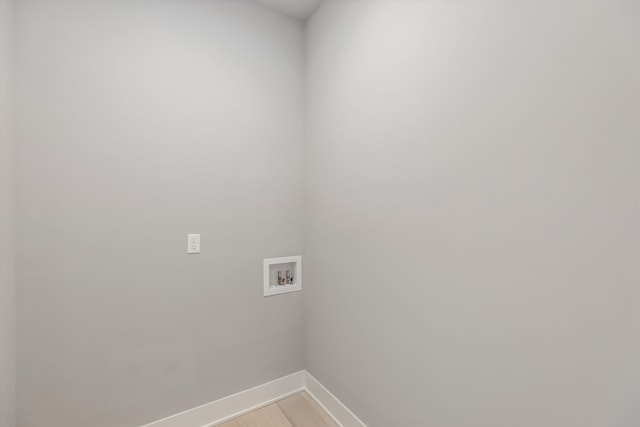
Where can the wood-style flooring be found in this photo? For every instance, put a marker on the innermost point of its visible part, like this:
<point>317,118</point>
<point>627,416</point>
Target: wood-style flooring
<point>298,410</point>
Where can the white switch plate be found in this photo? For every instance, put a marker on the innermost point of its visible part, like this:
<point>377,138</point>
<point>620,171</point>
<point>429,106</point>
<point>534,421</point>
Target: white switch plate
<point>193,243</point>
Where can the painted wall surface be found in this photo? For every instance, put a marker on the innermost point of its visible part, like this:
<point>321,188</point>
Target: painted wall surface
<point>140,122</point>
<point>7,217</point>
<point>473,208</point>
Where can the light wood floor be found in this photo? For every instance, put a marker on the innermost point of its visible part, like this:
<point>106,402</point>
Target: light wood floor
<point>299,410</point>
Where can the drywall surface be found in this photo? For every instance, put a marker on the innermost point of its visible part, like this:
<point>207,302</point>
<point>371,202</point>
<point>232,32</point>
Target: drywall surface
<point>473,212</point>
<point>7,207</point>
<point>140,122</point>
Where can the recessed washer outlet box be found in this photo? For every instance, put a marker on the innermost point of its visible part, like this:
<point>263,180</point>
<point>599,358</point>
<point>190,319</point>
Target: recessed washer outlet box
<point>282,275</point>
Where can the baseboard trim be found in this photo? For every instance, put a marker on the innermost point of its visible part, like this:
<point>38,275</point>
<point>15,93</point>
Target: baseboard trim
<point>334,407</point>
<point>240,403</point>
<point>236,404</point>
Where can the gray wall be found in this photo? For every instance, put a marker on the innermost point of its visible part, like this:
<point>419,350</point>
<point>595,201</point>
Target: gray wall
<point>140,122</point>
<point>7,207</point>
<point>473,234</point>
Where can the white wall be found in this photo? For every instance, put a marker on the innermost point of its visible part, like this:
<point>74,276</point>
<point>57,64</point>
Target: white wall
<point>473,234</point>
<point>7,207</point>
<point>140,122</point>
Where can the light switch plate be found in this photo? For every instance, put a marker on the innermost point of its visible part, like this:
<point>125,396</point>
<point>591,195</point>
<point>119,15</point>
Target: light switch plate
<point>193,243</point>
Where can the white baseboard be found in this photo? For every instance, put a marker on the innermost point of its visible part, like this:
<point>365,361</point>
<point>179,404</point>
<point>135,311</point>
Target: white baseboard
<point>237,404</point>
<point>338,411</point>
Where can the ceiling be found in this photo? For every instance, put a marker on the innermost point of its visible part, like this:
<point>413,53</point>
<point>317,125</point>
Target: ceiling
<point>298,9</point>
